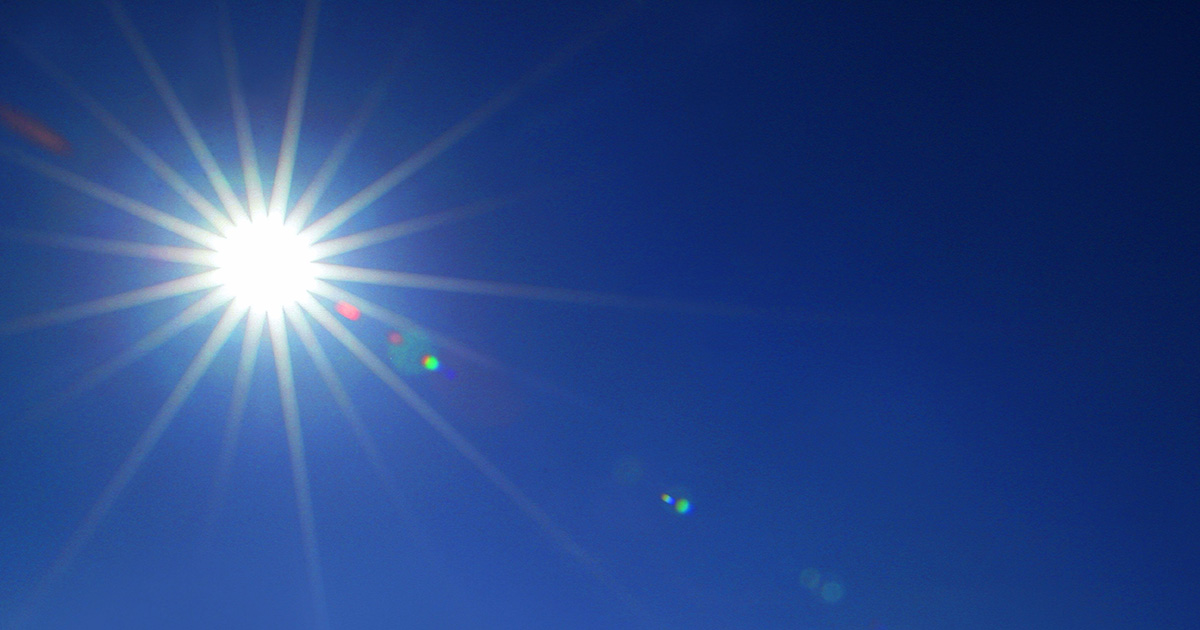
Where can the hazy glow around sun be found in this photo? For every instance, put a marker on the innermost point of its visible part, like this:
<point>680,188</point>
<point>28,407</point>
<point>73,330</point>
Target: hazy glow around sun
<point>278,275</point>
<point>265,264</point>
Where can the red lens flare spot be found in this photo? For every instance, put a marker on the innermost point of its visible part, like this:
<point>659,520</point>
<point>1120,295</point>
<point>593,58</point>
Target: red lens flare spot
<point>395,338</point>
<point>33,130</point>
<point>348,310</point>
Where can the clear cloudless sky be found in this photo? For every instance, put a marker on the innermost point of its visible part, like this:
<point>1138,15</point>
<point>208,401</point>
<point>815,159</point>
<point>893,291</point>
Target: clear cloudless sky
<point>932,364</point>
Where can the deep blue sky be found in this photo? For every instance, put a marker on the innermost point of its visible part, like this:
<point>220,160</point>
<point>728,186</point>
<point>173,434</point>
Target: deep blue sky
<point>968,393</point>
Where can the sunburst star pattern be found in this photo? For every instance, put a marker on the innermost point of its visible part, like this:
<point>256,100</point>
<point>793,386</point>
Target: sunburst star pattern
<point>262,260</point>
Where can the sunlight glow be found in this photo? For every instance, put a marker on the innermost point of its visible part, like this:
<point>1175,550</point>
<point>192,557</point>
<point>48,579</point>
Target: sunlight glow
<point>264,264</point>
<point>261,259</point>
<point>184,122</point>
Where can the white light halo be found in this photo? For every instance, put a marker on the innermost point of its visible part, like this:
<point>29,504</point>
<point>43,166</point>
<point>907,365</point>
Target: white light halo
<point>265,264</point>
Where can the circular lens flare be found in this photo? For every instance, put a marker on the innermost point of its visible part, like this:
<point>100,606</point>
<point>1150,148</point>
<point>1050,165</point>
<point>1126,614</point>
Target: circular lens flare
<point>265,264</point>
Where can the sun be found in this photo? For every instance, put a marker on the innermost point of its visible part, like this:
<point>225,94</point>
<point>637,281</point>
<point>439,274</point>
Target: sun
<point>267,259</point>
<point>265,264</point>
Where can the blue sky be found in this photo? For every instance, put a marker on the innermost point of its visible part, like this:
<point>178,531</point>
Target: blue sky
<point>911,321</point>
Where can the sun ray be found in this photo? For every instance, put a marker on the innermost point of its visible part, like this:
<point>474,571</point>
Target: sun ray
<point>155,338</point>
<point>277,328</point>
<point>345,404</point>
<point>400,322</point>
<point>375,311</point>
<point>165,253</point>
<point>329,168</point>
<point>295,111</point>
<point>115,199</point>
<point>145,444</point>
<point>168,175</point>
<point>410,280</point>
<point>526,505</point>
<point>108,304</point>
<point>274,320</point>
<point>421,539</point>
<point>237,410</point>
<point>184,122</point>
<point>402,171</point>
<point>383,234</point>
<point>255,196</point>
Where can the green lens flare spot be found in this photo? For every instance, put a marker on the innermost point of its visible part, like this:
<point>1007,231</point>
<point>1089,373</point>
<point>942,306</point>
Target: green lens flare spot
<point>678,504</point>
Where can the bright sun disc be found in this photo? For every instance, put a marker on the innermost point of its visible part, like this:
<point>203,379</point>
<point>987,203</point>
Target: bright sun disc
<point>265,264</point>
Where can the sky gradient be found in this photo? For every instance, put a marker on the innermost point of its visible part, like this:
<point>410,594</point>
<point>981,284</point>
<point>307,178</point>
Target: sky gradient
<point>900,299</point>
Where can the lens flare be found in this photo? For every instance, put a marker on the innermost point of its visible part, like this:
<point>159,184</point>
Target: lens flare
<point>348,310</point>
<point>832,592</point>
<point>810,578</point>
<point>407,349</point>
<point>828,589</point>
<point>33,130</point>
<point>430,362</point>
<point>680,505</point>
